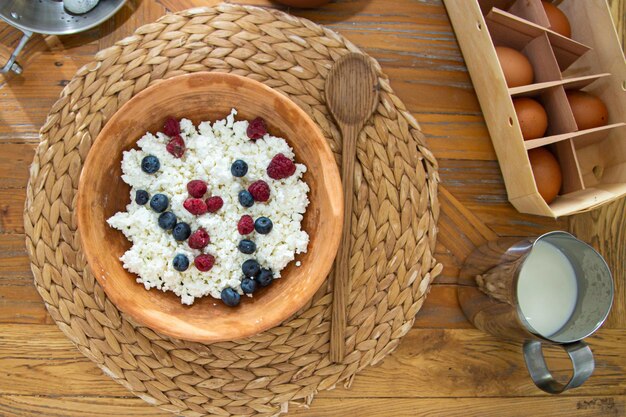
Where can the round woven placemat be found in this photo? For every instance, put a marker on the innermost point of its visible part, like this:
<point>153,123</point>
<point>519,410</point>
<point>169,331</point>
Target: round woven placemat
<point>393,228</point>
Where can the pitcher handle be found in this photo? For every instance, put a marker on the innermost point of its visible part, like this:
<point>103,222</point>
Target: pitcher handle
<point>582,365</point>
<point>11,65</point>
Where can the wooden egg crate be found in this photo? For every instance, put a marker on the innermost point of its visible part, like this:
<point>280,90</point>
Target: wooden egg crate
<point>593,161</point>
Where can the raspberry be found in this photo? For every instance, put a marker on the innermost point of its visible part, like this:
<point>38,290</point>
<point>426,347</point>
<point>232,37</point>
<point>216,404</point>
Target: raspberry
<point>204,262</point>
<point>195,206</point>
<point>245,225</point>
<point>196,188</point>
<point>260,190</point>
<point>256,129</point>
<point>280,167</point>
<point>199,239</point>
<point>176,146</point>
<point>214,203</point>
<point>171,127</point>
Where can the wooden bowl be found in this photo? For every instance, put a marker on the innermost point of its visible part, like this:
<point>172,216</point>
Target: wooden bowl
<point>102,193</point>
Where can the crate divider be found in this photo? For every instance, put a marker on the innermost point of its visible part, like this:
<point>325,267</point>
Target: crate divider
<point>570,168</point>
<point>574,83</point>
<point>531,10</point>
<point>560,116</point>
<point>582,138</point>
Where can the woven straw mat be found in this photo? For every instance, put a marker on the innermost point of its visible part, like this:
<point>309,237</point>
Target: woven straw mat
<point>393,227</point>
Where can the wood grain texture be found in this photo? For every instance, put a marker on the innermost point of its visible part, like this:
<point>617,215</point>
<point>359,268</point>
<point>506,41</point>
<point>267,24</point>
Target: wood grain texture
<point>435,363</point>
<point>453,370</point>
<point>351,96</point>
<point>604,406</point>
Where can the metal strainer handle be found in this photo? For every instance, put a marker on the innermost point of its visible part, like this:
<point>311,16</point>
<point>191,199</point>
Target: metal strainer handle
<point>582,366</point>
<point>11,65</point>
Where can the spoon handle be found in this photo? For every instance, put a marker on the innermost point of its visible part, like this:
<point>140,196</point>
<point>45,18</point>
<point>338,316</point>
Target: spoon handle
<point>342,262</point>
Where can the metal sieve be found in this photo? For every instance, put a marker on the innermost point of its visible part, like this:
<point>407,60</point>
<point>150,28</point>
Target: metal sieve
<point>49,17</point>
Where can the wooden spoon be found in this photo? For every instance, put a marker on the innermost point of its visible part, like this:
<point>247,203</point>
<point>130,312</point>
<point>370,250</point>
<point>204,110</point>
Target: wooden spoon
<point>351,96</point>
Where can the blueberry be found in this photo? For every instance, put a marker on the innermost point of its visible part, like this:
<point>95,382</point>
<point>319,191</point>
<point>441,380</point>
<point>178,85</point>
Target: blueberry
<point>141,197</point>
<point>247,246</point>
<point>263,225</point>
<point>248,285</point>
<point>159,202</point>
<point>230,297</point>
<point>181,231</point>
<point>245,198</point>
<point>150,164</point>
<point>180,262</point>
<point>239,168</point>
<point>167,220</point>
<point>265,277</point>
<point>250,268</point>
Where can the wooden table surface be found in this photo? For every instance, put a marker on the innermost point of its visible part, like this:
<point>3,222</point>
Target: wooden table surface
<point>444,366</point>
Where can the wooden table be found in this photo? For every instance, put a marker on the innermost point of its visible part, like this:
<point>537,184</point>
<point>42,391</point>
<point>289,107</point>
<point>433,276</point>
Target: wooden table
<point>444,366</point>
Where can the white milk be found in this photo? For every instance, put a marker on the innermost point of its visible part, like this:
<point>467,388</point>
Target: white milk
<point>546,289</point>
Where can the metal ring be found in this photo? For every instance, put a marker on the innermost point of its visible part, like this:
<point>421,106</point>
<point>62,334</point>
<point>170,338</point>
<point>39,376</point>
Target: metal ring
<point>582,364</point>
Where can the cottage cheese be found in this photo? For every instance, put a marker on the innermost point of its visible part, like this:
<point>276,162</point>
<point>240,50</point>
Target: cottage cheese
<point>210,151</point>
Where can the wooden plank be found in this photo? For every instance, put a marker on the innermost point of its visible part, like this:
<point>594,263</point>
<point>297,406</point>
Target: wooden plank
<point>605,406</point>
<point>25,101</point>
<point>21,302</point>
<point>457,136</point>
<point>468,407</point>
<point>12,210</point>
<point>36,406</point>
<point>14,262</point>
<point>431,90</point>
<point>469,363</point>
<point>442,310</point>
<point>450,264</point>
<point>428,363</point>
<point>15,161</point>
<point>504,220</point>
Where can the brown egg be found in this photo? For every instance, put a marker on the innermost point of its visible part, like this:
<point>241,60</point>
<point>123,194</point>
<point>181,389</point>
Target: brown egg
<point>558,21</point>
<point>515,66</point>
<point>532,117</point>
<point>547,173</point>
<point>305,4</point>
<point>589,111</point>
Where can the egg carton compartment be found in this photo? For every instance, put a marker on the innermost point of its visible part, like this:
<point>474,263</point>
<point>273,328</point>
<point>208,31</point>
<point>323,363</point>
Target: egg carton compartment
<point>595,85</point>
<point>593,166</point>
<point>560,119</point>
<point>602,158</point>
<point>570,166</point>
<point>504,25</point>
<point>536,49</point>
